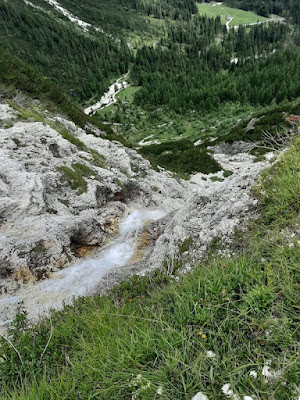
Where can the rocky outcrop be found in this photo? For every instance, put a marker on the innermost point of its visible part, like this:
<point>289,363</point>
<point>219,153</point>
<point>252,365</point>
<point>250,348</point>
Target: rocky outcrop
<point>215,208</point>
<point>61,188</point>
<point>63,192</point>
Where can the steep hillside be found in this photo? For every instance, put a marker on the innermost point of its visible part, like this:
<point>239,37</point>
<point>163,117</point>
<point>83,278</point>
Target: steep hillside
<point>149,200</point>
<point>228,328</point>
<point>65,190</point>
<point>82,63</point>
<point>66,187</point>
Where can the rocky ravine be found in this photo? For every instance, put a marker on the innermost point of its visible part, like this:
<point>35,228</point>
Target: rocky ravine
<point>213,209</point>
<point>44,217</point>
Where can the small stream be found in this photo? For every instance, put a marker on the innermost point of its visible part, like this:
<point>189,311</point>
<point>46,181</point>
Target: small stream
<point>81,278</point>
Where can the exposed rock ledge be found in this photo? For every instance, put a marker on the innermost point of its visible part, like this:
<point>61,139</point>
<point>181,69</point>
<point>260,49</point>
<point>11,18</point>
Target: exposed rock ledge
<point>42,217</point>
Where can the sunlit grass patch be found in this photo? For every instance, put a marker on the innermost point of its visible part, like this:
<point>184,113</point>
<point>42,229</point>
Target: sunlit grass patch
<point>240,17</point>
<point>128,93</point>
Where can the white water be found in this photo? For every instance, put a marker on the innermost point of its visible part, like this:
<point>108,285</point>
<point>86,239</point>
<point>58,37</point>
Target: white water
<point>109,97</point>
<point>80,279</point>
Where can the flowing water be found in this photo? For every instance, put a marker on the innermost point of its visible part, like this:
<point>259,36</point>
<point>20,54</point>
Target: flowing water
<point>81,278</point>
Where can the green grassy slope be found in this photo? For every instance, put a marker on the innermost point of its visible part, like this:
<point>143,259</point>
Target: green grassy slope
<point>128,93</point>
<point>149,339</point>
<point>240,17</point>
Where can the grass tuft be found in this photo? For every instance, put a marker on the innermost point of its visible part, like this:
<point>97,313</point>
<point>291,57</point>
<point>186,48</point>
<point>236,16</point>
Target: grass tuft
<point>75,177</point>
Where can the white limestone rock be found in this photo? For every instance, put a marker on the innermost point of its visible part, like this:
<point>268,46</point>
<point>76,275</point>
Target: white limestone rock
<point>42,217</point>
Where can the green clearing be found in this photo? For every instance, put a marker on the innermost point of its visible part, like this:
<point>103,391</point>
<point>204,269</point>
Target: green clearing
<point>153,30</point>
<point>124,95</point>
<point>163,125</point>
<point>149,339</point>
<point>128,93</point>
<point>240,17</point>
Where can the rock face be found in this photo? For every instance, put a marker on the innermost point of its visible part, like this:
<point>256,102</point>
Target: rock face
<point>57,192</point>
<point>213,209</point>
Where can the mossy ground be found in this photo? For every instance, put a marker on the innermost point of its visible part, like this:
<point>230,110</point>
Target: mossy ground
<point>75,177</point>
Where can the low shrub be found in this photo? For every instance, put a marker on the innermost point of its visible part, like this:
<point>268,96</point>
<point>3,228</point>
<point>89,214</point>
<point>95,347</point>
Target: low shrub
<point>181,157</point>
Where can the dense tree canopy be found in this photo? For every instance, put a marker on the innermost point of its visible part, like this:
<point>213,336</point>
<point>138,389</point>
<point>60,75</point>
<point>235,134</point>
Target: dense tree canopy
<point>175,9</point>
<point>201,75</point>
<point>197,64</point>
<point>80,63</point>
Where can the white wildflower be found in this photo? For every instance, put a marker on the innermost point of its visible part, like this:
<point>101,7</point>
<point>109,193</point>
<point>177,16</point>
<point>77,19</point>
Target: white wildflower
<point>200,396</point>
<point>269,373</point>
<point>229,392</point>
<point>159,390</point>
<point>253,374</point>
<point>226,390</point>
<point>210,354</point>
